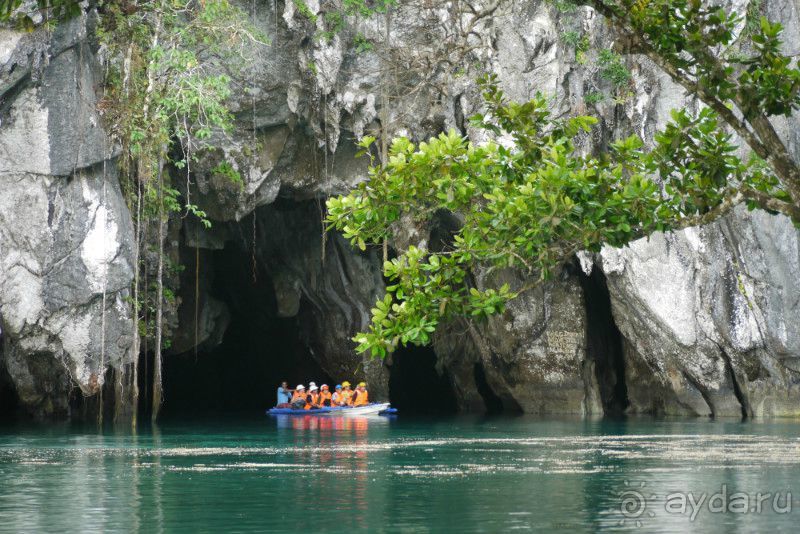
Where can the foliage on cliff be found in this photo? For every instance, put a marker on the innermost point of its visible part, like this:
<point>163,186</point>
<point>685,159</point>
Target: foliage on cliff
<point>169,79</point>
<point>44,10</point>
<point>532,202</point>
<point>169,66</point>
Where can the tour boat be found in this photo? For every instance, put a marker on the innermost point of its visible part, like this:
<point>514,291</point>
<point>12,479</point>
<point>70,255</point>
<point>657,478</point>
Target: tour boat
<point>375,408</point>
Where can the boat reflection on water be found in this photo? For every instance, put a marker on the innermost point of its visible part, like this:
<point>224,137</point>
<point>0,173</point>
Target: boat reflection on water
<point>340,451</point>
<point>327,423</point>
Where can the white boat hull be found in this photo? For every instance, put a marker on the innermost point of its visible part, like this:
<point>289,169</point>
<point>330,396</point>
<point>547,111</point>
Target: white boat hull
<point>369,409</point>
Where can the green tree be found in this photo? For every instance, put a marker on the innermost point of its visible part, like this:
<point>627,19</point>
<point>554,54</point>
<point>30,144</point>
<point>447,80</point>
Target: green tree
<point>532,205</point>
<point>694,43</point>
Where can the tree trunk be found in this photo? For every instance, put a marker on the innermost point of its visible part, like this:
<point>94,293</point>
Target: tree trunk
<point>756,131</point>
<point>157,391</point>
<point>384,99</point>
<point>136,348</point>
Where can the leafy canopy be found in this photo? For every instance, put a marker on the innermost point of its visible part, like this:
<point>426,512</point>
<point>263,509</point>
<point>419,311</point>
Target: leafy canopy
<point>744,78</point>
<point>529,204</point>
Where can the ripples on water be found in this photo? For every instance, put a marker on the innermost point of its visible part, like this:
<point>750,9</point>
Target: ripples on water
<point>339,474</point>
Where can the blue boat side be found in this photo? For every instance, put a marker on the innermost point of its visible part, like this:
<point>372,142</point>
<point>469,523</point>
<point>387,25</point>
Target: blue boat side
<point>318,411</point>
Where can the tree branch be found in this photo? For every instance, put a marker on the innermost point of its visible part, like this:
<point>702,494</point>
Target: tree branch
<point>762,138</point>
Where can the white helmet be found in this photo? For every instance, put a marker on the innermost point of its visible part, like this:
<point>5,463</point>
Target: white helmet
<point>313,388</point>
<point>300,386</point>
<point>312,385</point>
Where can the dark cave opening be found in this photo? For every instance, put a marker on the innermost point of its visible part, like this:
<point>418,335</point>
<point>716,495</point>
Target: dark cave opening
<point>259,349</point>
<point>10,408</point>
<point>416,387</point>
<point>604,344</point>
<point>9,403</point>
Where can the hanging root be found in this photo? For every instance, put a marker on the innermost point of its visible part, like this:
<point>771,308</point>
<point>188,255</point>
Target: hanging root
<point>196,296</point>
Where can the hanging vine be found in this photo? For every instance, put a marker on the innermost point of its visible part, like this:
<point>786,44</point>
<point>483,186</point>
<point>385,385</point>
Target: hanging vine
<point>168,86</point>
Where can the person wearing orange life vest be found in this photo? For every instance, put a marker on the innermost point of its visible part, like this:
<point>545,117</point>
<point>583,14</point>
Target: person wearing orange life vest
<point>299,396</point>
<point>361,396</point>
<point>347,394</point>
<point>312,401</point>
<point>324,396</point>
<point>337,399</point>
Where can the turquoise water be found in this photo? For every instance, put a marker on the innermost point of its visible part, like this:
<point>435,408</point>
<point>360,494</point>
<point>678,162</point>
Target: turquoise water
<point>404,475</point>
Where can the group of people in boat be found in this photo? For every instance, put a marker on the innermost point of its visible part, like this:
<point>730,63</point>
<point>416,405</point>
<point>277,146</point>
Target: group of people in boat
<point>301,398</point>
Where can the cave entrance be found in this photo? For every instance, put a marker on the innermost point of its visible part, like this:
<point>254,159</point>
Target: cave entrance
<point>259,348</point>
<point>604,344</point>
<point>10,408</point>
<point>416,387</point>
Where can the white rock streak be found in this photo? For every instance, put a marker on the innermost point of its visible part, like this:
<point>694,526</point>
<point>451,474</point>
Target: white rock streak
<point>100,246</point>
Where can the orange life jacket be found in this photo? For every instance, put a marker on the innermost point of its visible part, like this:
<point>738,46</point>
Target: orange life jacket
<point>362,399</point>
<point>312,401</point>
<point>324,396</point>
<point>347,398</point>
<point>337,399</point>
<point>298,395</point>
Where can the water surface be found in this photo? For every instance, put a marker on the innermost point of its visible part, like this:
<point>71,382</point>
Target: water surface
<point>462,474</point>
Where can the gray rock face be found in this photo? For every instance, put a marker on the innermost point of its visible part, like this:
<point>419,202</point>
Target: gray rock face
<point>708,318</point>
<point>65,231</point>
<point>534,357</point>
<point>50,125</point>
<point>66,269</point>
<point>707,313</point>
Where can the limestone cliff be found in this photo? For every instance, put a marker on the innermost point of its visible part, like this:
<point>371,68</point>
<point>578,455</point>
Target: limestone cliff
<point>65,254</point>
<point>701,322</point>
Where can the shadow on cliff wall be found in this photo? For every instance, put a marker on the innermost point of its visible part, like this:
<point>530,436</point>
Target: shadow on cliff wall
<point>287,321</point>
<point>604,344</point>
